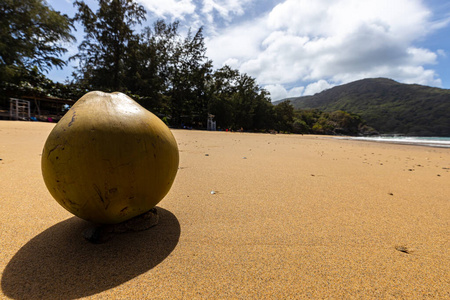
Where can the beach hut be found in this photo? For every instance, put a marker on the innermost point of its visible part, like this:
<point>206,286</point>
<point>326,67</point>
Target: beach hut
<point>43,108</point>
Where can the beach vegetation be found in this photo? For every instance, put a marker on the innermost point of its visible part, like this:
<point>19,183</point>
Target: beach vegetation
<point>338,122</point>
<point>237,101</point>
<point>32,41</point>
<point>31,35</point>
<point>109,35</point>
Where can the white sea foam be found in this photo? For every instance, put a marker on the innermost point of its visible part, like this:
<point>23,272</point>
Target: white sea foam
<point>443,142</point>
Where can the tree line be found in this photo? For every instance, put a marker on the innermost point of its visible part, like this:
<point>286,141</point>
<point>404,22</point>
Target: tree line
<point>165,71</point>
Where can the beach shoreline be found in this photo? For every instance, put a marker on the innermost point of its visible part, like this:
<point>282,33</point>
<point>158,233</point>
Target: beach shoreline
<point>291,216</point>
<point>438,142</point>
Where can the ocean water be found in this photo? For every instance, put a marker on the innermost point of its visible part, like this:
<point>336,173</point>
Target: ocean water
<point>442,142</point>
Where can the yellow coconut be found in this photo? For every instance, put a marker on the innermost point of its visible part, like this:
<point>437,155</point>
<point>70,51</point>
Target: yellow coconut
<point>109,159</point>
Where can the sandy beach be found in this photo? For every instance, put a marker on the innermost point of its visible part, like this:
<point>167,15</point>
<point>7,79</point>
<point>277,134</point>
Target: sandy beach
<point>250,216</point>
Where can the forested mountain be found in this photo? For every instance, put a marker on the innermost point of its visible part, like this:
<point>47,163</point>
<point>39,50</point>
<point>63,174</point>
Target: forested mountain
<point>388,106</point>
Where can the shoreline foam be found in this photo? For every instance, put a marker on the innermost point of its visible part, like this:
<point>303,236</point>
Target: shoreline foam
<point>440,142</point>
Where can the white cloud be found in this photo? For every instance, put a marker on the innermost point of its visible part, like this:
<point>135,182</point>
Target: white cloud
<point>177,9</point>
<point>330,42</point>
<point>225,8</point>
<point>277,91</point>
<point>296,91</point>
<point>420,56</point>
<point>198,12</point>
<point>340,17</point>
<point>232,62</point>
<point>417,74</point>
<point>239,43</point>
<point>441,53</point>
<point>316,87</point>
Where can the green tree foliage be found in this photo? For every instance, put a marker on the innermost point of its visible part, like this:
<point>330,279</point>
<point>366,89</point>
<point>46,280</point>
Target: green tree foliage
<point>238,102</point>
<point>188,72</point>
<point>337,122</point>
<point>35,84</point>
<point>30,35</point>
<point>169,72</point>
<point>148,65</point>
<point>105,49</point>
<point>284,116</point>
<point>345,123</point>
<point>220,91</point>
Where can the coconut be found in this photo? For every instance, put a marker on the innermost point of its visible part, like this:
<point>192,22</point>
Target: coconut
<point>109,159</point>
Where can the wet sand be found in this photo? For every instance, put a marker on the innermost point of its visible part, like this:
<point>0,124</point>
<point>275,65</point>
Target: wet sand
<point>250,216</point>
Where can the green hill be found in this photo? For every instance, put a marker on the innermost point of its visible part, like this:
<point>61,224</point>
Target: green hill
<point>388,106</point>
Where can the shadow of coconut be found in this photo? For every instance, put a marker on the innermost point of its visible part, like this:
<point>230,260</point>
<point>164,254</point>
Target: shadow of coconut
<point>60,264</point>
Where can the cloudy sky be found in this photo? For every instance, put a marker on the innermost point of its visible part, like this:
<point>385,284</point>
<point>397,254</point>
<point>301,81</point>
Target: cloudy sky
<point>301,47</point>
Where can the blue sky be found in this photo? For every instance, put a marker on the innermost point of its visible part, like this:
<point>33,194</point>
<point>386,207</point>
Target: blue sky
<point>301,47</point>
